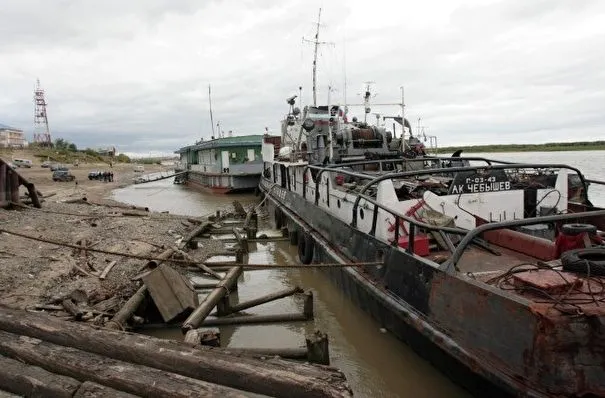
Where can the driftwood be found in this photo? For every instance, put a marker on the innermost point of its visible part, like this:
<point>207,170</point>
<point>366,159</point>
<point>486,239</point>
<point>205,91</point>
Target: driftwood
<point>73,309</point>
<point>212,299</point>
<point>271,377</point>
<point>124,376</point>
<point>253,319</point>
<point>107,269</point>
<point>122,316</point>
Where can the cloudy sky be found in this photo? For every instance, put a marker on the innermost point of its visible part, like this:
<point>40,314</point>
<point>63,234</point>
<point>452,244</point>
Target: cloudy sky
<point>135,73</point>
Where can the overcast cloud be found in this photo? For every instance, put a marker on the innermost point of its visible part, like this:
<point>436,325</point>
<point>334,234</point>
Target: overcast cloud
<point>135,73</point>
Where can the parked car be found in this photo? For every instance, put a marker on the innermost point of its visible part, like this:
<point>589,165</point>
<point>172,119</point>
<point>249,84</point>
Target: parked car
<point>139,169</point>
<point>23,163</point>
<point>94,175</point>
<point>63,175</point>
<point>46,164</point>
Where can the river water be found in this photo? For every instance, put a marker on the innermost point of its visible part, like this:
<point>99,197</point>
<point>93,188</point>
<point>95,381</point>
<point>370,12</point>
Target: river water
<point>374,362</point>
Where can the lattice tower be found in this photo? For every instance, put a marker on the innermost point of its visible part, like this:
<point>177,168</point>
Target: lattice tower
<point>41,130</point>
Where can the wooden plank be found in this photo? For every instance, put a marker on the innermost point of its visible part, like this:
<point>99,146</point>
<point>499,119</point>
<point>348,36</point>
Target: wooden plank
<point>88,389</point>
<point>107,269</point>
<point>19,378</point>
<point>123,376</point>
<point>170,291</point>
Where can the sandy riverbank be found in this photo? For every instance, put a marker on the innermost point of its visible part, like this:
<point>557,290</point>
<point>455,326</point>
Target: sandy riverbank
<point>34,271</point>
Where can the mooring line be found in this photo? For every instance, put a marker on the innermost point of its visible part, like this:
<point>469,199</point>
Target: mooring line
<point>188,262</point>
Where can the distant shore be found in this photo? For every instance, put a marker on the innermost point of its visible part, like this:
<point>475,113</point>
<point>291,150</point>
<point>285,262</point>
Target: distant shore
<point>548,147</point>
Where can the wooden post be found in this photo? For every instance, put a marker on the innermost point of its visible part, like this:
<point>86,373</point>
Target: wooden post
<point>308,305</point>
<point>81,365</point>
<point>264,299</point>
<point>3,184</point>
<point>272,378</point>
<point>13,186</point>
<point>33,194</point>
<point>210,301</point>
<point>243,242</point>
<point>317,348</point>
<point>121,317</point>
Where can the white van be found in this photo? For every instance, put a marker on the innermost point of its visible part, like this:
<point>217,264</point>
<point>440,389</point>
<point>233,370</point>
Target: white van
<point>23,163</point>
<point>139,169</point>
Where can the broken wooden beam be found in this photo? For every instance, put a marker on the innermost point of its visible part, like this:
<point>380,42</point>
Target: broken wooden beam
<point>264,299</point>
<point>171,292</point>
<point>85,366</point>
<point>272,377</point>
<point>123,315</point>
<point>73,309</point>
<point>165,255</point>
<point>212,299</point>
<point>241,240</point>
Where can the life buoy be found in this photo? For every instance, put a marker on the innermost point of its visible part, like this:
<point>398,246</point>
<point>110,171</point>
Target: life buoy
<point>585,261</point>
<point>305,247</point>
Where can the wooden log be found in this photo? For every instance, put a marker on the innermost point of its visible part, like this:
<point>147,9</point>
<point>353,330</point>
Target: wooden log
<point>124,376</point>
<point>299,353</point>
<point>253,319</point>
<point>211,300</point>
<point>122,316</point>
<point>134,214</point>
<point>88,389</point>
<point>33,381</point>
<point>272,377</point>
<point>209,271</point>
<point>204,285</point>
<point>264,299</point>
<point>107,269</point>
<point>73,309</point>
<point>211,338</point>
<point>197,231</point>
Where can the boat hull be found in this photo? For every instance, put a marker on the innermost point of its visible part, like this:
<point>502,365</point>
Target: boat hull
<point>222,183</point>
<point>455,323</point>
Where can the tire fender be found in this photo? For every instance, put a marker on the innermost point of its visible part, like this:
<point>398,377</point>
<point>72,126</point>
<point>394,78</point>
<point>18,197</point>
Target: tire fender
<point>305,247</point>
<point>588,260</point>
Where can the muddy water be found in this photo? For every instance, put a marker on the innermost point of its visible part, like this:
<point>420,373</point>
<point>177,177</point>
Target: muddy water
<point>375,363</point>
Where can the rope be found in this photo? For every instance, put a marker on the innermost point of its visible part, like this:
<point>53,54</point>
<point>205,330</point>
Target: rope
<point>186,262</point>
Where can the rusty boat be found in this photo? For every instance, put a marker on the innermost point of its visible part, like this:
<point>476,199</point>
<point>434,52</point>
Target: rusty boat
<point>493,271</point>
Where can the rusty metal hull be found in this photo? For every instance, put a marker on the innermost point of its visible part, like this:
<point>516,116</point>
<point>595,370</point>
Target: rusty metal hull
<point>492,342</point>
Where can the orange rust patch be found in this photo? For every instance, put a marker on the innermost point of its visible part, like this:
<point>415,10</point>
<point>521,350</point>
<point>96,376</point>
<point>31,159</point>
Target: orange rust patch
<point>549,281</point>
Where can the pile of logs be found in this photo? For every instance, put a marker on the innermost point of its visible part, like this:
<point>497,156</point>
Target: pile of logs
<point>41,355</point>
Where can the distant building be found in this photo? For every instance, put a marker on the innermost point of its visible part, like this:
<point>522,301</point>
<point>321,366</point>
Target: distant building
<point>11,137</point>
<point>109,151</point>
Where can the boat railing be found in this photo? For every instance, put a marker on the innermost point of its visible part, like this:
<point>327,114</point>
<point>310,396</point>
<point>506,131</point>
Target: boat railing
<point>381,162</point>
<point>506,166</point>
<point>414,223</point>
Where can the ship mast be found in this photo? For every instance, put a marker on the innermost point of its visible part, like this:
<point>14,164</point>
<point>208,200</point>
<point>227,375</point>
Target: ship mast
<point>316,43</point>
<point>210,102</point>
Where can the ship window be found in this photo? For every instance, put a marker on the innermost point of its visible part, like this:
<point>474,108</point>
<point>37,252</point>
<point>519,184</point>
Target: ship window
<point>361,213</point>
<point>338,203</point>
